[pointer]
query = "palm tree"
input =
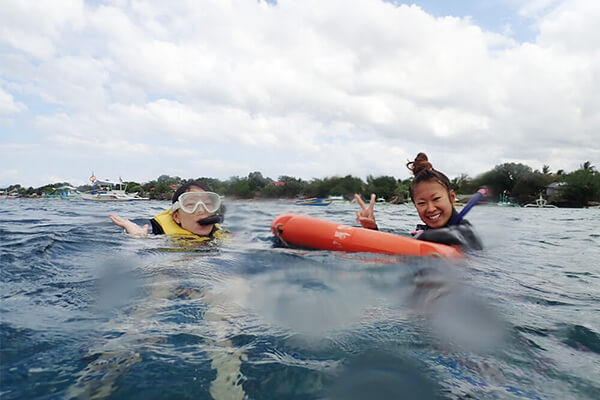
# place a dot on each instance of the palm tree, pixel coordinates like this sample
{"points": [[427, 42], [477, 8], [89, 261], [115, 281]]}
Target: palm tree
{"points": [[587, 166]]}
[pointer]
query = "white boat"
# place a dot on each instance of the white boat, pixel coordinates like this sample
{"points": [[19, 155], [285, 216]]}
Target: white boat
{"points": [[504, 201], [65, 192], [540, 203], [337, 199], [110, 191], [8, 195], [312, 201]]}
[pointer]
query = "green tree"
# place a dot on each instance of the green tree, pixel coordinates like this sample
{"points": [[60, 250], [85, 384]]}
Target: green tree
{"points": [[582, 186], [161, 189], [335, 186], [239, 187], [519, 180], [134, 187], [257, 180], [462, 184], [382, 186], [402, 191], [292, 187], [213, 184], [528, 187], [504, 177], [347, 186]]}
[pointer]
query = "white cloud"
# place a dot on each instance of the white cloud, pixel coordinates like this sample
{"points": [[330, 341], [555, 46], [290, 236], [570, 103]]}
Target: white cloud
{"points": [[33, 26], [8, 105], [572, 27], [302, 88]]}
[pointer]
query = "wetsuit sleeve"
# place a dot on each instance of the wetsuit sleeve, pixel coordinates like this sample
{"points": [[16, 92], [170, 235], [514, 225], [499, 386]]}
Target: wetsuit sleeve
{"points": [[156, 228]]}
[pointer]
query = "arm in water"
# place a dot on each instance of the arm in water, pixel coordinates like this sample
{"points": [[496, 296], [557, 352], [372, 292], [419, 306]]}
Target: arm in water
{"points": [[130, 227]]}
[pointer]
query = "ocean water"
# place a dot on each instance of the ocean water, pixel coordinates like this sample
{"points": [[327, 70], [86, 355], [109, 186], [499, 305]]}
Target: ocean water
{"points": [[87, 311]]}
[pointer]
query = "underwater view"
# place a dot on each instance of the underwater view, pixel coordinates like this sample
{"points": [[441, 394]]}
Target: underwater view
{"points": [[87, 311]]}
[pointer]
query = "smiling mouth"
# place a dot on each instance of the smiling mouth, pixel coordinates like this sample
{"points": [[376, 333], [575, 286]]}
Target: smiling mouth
{"points": [[434, 217]]}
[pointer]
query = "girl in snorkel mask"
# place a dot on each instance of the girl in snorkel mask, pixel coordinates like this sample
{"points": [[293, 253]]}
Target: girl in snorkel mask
{"points": [[195, 211]]}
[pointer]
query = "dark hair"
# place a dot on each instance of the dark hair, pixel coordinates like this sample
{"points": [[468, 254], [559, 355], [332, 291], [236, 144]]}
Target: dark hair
{"points": [[423, 171], [185, 188]]}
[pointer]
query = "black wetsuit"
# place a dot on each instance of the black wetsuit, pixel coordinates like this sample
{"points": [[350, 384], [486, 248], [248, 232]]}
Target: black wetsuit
{"points": [[461, 234], [158, 230]]}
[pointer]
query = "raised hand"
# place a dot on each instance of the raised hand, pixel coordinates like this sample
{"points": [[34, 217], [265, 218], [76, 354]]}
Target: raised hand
{"points": [[130, 227], [365, 217]]}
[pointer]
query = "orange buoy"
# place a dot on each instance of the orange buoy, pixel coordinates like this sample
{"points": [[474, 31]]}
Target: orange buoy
{"points": [[313, 233]]}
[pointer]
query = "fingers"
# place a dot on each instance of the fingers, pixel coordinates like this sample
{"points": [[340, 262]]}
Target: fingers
{"points": [[372, 202], [116, 219], [367, 222], [360, 202]]}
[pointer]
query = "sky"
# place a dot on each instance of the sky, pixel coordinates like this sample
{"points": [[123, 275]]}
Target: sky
{"points": [[134, 89]]}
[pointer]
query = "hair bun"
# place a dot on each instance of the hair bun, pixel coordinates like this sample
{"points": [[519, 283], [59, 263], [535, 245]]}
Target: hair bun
{"points": [[421, 163]]}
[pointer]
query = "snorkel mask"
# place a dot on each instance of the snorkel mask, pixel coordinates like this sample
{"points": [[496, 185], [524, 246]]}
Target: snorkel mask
{"points": [[204, 202]]}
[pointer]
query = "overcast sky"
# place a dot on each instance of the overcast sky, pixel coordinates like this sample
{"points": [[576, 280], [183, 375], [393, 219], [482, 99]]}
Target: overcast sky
{"points": [[307, 88]]}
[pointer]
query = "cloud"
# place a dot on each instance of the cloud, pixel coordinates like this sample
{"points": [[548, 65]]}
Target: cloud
{"points": [[8, 105], [34, 26], [571, 28], [301, 88]]}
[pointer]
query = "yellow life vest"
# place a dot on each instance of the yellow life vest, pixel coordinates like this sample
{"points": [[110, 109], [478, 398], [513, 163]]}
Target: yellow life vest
{"points": [[171, 228]]}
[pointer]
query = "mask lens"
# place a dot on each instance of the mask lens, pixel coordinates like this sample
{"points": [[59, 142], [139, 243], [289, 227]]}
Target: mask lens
{"points": [[207, 201], [189, 204]]}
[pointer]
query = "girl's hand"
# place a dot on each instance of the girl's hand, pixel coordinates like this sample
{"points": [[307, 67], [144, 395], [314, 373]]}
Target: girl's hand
{"points": [[366, 217], [130, 227]]}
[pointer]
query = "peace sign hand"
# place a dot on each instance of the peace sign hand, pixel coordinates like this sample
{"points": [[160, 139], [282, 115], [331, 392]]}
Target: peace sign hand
{"points": [[366, 217]]}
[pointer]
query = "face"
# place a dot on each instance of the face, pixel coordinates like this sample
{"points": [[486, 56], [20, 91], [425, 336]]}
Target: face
{"points": [[190, 221], [434, 203]]}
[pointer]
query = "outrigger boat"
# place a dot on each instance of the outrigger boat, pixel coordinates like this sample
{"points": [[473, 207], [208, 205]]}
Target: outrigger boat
{"points": [[336, 199], [110, 191], [313, 201], [504, 201], [65, 192], [540, 203]]}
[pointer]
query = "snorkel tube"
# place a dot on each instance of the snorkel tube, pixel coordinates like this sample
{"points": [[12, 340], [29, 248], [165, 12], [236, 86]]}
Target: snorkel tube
{"points": [[213, 219], [478, 196]]}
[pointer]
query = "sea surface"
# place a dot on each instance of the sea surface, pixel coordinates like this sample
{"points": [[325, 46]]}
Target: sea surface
{"points": [[87, 311]]}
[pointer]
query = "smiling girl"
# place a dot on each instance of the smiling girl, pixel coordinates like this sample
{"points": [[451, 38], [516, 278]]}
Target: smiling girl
{"points": [[433, 196]]}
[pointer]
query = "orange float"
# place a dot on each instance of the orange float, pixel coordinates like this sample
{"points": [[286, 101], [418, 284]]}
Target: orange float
{"points": [[313, 233]]}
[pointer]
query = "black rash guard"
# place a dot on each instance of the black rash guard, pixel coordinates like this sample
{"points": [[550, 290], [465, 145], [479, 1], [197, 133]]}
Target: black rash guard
{"points": [[462, 234]]}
